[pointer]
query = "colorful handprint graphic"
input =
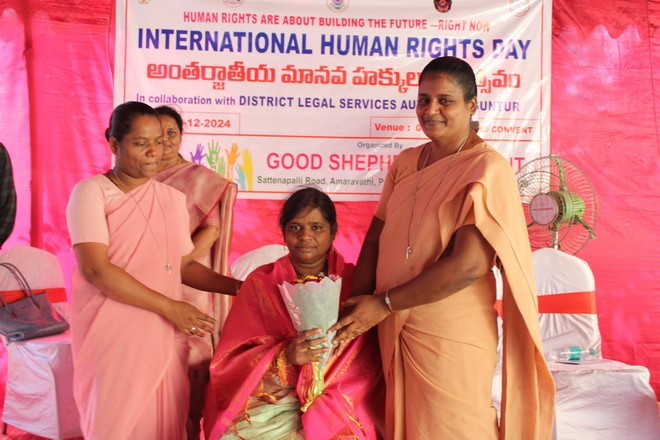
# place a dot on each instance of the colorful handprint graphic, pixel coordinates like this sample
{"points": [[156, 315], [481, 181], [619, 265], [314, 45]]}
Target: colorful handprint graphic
{"points": [[246, 168], [198, 156], [212, 156], [228, 165], [232, 155]]}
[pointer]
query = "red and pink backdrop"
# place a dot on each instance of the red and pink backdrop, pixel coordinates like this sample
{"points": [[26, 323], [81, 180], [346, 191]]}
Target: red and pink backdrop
{"points": [[56, 92]]}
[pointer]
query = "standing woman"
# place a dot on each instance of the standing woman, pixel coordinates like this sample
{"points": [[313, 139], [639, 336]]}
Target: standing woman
{"points": [[129, 325], [448, 210], [209, 200]]}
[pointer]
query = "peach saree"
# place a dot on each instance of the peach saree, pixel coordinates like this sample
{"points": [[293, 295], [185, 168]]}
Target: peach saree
{"points": [[439, 359], [130, 364]]}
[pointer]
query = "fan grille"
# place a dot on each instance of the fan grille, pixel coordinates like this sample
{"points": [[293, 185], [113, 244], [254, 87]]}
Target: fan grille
{"points": [[559, 203]]}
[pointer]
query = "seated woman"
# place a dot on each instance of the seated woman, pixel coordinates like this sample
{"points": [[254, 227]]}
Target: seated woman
{"points": [[262, 365]]}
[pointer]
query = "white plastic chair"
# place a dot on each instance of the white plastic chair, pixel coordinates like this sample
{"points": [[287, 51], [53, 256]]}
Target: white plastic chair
{"points": [[566, 289]]}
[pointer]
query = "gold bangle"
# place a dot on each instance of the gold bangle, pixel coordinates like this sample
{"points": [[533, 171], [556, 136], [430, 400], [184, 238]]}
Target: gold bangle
{"points": [[388, 302]]}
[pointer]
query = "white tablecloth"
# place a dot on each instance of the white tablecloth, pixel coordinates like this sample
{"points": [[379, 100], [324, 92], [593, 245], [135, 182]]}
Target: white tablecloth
{"points": [[605, 400], [39, 394]]}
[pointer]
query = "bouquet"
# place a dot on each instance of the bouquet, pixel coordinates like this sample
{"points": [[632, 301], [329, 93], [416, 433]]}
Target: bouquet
{"points": [[313, 302]]}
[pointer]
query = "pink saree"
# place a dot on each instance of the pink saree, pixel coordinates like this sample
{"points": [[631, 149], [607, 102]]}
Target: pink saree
{"points": [[209, 201], [257, 328], [130, 364]]}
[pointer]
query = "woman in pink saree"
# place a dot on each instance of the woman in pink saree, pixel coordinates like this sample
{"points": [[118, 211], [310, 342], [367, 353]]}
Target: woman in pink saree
{"points": [[210, 201], [129, 325], [261, 370], [448, 210]]}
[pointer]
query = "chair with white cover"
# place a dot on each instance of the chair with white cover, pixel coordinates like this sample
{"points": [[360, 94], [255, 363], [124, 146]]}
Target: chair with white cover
{"points": [[249, 261], [566, 292], [39, 392], [601, 399]]}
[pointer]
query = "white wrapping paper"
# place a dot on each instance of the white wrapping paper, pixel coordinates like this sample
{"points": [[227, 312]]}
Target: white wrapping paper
{"points": [[314, 304]]}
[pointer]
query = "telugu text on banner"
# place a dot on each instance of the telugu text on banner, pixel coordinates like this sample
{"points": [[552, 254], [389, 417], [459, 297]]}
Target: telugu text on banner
{"points": [[279, 94]]}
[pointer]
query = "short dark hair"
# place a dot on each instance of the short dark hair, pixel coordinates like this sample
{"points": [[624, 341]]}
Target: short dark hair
{"points": [[123, 116], [458, 69], [305, 197], [166, 110]]}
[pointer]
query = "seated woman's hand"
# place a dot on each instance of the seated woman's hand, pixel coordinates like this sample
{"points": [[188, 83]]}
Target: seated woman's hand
{"points": [[300, 350], [360, 313], [189, 319]]}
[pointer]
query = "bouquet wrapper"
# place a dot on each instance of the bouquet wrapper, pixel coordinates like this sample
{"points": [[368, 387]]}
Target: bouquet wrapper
{"points": [[314, 305]]}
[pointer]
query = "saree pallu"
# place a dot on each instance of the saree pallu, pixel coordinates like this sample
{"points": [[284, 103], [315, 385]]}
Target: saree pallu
{"points": [[244, 366], [444, 354], [130, 364], [209, 200]]}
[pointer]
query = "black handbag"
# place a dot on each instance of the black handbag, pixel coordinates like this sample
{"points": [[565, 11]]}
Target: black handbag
{"points": [[29, 317]]}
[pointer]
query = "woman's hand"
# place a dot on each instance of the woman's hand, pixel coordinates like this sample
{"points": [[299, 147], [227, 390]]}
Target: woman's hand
{"points": [[300, 351], [189, 319], [363, 312]]}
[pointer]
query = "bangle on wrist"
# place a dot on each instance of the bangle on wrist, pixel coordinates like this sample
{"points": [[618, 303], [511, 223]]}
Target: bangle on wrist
{"points": [[387, 300]]}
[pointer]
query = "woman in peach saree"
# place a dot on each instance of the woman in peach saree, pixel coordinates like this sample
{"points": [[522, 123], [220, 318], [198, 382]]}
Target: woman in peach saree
{"points": [[448, 211]]}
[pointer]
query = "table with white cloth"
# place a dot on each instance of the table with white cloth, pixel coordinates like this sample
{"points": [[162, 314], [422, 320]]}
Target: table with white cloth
{"points": [[39, 393], [604, 400], [600, 400]]}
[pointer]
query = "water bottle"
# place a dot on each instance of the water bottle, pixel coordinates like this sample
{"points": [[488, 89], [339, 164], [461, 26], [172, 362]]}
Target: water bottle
{"points": [[572, 353]]}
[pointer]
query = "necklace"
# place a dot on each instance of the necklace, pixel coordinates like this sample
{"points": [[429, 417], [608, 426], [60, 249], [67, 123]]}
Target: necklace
{"points": [[168, 266], [428, 201], [323, 273]]}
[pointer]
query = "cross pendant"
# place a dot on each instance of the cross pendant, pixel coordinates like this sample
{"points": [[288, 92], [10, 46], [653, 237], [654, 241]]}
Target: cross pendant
{"points": [[168, 268], [408, 251]]}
